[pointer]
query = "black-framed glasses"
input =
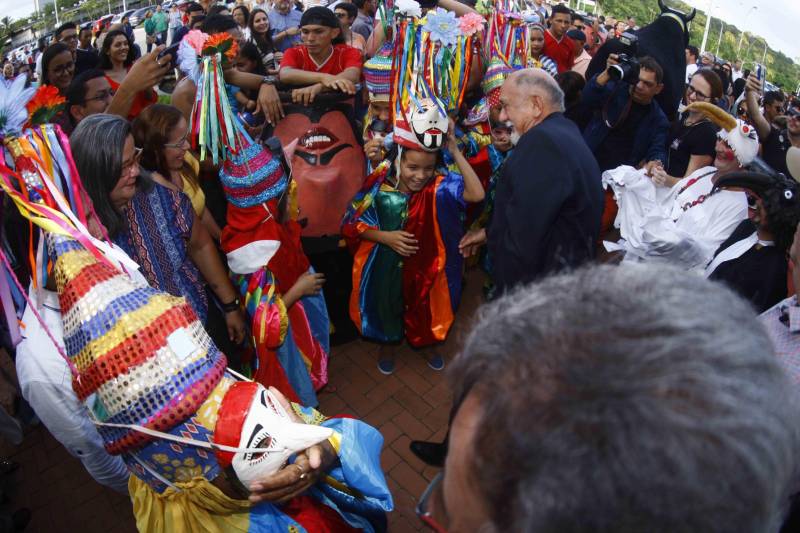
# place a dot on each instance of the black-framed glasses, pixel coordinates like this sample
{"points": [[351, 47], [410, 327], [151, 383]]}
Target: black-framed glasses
{"points": [[425, 508], [341, 15], [691, 89], [103, 95], [580, 28]]}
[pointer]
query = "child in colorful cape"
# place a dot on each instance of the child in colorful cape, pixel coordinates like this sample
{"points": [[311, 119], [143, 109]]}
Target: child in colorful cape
{"points": [[281, 293], [403, 229]]}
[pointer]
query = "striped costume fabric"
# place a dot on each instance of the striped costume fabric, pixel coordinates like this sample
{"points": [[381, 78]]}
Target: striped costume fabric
{"points": [[142, 353]]}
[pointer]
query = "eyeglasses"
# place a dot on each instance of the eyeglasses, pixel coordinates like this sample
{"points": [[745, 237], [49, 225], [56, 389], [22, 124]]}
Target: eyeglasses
{"points": [[70, 37], [133, 161], [424, 510], [341, 15], [107, 94], [580, 28], [691, 89], [179, 142], [63, 69]]}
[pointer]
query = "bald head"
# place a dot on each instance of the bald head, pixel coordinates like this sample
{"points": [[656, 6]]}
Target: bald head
{"points": [[528, 97]]}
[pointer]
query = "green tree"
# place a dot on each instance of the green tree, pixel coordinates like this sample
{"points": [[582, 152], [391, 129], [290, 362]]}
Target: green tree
{"points": [[781, 70]]}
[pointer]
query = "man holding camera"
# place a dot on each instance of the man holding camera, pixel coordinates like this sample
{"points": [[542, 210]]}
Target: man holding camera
{"points": [[628, 126]]}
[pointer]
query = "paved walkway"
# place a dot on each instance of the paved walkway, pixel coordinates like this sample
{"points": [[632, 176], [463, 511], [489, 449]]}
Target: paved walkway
{"points": [[412, 404]]}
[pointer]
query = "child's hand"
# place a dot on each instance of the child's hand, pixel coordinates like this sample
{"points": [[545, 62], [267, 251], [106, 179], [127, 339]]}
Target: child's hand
{"points": [[401, 242], [309, 284]]}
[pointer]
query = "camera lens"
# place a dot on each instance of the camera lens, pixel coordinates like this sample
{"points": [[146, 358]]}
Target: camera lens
{"points": [[616, 72]]}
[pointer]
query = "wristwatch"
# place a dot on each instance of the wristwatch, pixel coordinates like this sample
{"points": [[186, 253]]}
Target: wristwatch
{"points": [[269, 80], [231, 306]]}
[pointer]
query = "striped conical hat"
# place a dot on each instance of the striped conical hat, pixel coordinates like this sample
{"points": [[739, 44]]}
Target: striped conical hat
{"points": [[142, 353]]}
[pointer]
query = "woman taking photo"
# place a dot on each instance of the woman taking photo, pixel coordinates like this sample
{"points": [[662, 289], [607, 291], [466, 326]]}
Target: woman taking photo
{"points": [[260, 36], [242, 17], [116, 58], [162, 134], [692, 137], [154, 224]]}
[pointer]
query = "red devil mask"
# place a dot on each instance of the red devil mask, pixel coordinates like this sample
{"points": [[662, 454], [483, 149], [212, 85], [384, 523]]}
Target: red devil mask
{"points": [[328, 163]]}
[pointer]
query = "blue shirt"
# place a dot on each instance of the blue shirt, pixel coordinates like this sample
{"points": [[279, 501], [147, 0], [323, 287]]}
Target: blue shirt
{"points": [[279, 23]]}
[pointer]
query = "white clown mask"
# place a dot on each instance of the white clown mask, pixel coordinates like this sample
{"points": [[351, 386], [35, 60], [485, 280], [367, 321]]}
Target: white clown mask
{"points": [[428, 124], [252, 417]]}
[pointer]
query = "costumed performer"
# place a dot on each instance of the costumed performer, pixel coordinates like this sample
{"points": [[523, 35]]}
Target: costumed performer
{"points": [[405, 225], [684, 224], [34, 150], [280, 292], [753, 260], [204, 450]]}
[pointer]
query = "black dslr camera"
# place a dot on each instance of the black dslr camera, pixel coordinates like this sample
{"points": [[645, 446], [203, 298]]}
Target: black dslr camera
{"points": [[627, 68]]}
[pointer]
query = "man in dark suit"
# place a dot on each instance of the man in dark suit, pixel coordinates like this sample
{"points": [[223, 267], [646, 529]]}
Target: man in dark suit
{"points": [[549, 198]]}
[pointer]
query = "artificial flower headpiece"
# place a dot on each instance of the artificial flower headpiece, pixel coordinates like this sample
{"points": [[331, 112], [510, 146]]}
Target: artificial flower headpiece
{"points": [[432, 59], [212, 125]]}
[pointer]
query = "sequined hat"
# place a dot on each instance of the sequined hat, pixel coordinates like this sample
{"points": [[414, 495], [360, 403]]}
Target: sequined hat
{"points": [[378, 74], [492, 83], [252, 176], [142, 353]]}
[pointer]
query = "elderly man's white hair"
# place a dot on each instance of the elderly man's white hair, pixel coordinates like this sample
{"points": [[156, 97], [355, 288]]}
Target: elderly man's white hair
{"points": [[530, 79], [631, 398]]}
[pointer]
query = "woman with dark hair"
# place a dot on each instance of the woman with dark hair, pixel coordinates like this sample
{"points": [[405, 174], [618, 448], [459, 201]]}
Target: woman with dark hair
{"points": [[260, 36], [572, 84], [242, 17], [692, 140], [162, 134], [154, 224], [116, 58], [58, 67]]}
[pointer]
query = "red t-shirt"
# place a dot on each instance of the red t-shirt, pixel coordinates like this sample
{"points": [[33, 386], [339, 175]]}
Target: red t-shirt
{"points": [[342, 58], [562, 52]]}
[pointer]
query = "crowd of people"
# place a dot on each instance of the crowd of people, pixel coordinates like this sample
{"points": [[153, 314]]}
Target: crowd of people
{"points": [[326, 172]]}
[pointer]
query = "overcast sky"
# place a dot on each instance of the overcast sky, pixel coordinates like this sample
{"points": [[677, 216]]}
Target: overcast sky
{"points": [[774, 19]]}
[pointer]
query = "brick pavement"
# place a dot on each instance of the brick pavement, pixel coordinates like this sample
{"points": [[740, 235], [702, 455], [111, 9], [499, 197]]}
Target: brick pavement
{"points": [[412, 404]]}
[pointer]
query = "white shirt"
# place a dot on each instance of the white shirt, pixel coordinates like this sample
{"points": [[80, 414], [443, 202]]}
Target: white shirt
{"points": [[683, 225], [39, 67], [46, 383], [690, 70]]}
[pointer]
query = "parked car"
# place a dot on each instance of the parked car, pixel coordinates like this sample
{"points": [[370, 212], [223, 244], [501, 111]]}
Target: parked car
{"points": [[102, 23], [138, 16], [119, 16]]}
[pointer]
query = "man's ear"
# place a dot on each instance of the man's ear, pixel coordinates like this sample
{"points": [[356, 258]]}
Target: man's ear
{"points": [[659, 88], [336, 34], [76, 112]]}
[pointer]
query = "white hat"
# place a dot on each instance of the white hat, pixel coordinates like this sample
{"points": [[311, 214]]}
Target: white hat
{"points": [[743, 140]]}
